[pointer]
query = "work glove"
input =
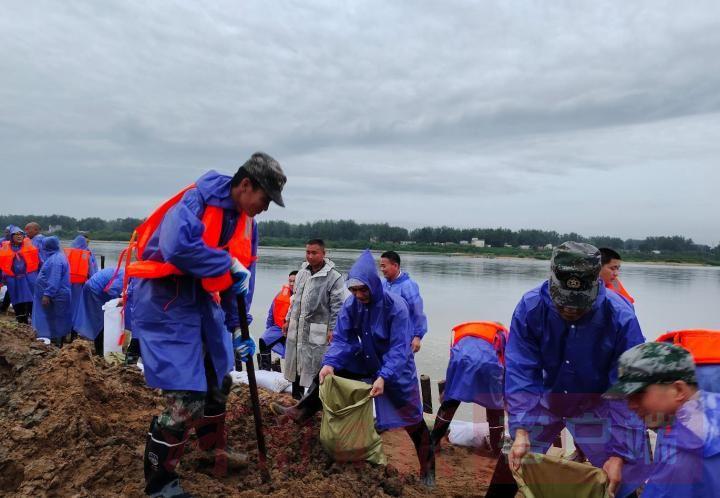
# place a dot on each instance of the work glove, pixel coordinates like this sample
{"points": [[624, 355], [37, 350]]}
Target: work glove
{"points": [[244, 348], [241, 278]]}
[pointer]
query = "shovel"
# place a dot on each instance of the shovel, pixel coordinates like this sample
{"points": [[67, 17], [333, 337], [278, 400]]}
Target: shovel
{"points": [[262, 450]]}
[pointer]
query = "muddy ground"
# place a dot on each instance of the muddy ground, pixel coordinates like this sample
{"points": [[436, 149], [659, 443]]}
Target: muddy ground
{"points": [[72, 425]]}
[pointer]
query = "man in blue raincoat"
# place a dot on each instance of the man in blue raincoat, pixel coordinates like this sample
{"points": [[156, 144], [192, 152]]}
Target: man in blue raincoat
{"points": [[51, 304], [80, 243], [371, 342], [660, 384], [20, 263], [186, 333], [89, 318], [566, 337], [400, 283], [32, 231]]}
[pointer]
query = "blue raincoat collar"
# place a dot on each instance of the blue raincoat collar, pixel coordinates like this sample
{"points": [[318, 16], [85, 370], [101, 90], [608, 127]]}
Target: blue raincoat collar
{"points": [[80, 242], [365, 271], [215, 189], [51, 245]]}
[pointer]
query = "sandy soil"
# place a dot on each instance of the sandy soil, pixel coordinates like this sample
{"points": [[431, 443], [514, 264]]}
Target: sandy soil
{"points": [[74, 426]]}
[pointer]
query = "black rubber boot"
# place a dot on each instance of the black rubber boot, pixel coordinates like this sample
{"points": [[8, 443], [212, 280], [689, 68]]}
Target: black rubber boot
{"points": [[212, 442], [163, 449], [442, 422], [133, 352], [99, 340], [304, 409], [265, 361], [496, 422], [420, 436]]}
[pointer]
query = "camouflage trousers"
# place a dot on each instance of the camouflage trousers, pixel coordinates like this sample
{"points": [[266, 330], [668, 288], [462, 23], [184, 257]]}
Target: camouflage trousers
{"points": [[184, 408]]}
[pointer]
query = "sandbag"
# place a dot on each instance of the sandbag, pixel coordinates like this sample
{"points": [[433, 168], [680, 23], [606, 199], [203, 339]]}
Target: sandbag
{"points": [[347, 430], [468, 433], [272, 381], [113, 326], [545, 476]]}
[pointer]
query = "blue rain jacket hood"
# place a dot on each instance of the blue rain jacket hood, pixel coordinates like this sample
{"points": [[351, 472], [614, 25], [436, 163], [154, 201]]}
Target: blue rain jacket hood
{"points": [[53, 280], [80, 242], [373, 340], [51, 245], [174, 318]]}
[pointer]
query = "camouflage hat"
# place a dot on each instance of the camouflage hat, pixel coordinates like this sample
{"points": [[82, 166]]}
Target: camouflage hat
{"points": [[574, 279], [268, 173], [652, 363]]}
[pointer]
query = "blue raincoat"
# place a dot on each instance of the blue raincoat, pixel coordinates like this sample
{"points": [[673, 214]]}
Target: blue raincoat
{"points": [[53, 281], [374, 340], [409, 290], [37, 241], [273, 333], [22, 285], [89, 316], [687, 454], [176, 321], [80, 242], [474, 374], [556, 372]]}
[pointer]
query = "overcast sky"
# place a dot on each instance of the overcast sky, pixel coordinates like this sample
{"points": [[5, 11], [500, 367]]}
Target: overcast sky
{"points": [[595, 117]]}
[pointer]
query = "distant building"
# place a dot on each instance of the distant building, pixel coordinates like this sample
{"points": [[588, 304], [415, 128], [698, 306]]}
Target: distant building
{"points": [[477, 242], [548, 247], [656, 251], [407, 242], [373, 240], [464, 243], [54, 228], [524, 247], [507, 245]]}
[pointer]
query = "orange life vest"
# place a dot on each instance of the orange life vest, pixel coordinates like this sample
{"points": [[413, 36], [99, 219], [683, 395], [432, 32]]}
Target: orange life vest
{"points": [[617, 286], [239, 245], [493, 332], [28, 252], [704, 345], [281, 305], [79, 261]]}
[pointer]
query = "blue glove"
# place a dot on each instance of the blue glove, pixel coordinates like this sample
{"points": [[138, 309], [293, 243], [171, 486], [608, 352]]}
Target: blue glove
{"points": [[244, 348], [241, 278]]}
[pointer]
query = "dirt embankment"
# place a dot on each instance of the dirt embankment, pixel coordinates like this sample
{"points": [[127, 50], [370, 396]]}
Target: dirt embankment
{"points": [[72, 425]]}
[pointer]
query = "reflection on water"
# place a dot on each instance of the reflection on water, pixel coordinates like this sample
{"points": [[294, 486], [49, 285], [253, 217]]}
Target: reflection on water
{"points": [[460, 288]]}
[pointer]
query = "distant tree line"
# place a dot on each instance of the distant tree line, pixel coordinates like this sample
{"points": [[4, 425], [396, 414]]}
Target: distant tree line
{"points": [[349, 231]]}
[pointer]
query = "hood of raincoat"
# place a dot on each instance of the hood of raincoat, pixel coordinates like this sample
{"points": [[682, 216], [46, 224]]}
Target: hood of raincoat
{"points": [[80, 242], [51, 245], [9, 229], [13, 231], [365, 271], [215, 189]]}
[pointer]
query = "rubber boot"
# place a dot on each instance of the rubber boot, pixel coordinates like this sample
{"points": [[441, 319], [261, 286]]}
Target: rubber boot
{"points": [[133, 352], [276, 366], [304, 409], [265, 361], [420, 436], [442, 422], [497, 431], [212, 442], [99, 343], [163, 449]]}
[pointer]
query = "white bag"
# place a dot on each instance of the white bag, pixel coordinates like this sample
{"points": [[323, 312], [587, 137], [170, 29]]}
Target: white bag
{"points": [[114, 327], [272, 381], [468, 433]]}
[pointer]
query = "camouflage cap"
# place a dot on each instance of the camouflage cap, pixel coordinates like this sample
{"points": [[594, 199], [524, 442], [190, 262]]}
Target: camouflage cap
{"points": [[652, 363], [268, 173], [574, 279]]}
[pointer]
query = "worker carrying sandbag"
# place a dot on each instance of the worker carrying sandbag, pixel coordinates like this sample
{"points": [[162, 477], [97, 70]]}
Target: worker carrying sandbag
{"points": [[347, 431]]}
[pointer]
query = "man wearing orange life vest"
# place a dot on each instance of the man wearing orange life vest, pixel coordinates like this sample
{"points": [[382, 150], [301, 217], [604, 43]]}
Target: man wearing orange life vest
{"points": [[19, 263], [196, 255], [82, 266], [610, 272], [273, 338]]}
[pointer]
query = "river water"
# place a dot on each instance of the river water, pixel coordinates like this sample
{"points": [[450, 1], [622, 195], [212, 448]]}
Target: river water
{"points": [[456, 289]]}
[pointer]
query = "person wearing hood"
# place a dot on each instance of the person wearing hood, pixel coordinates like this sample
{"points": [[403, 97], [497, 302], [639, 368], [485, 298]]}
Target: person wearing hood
{"points": [[52, 316], [88, 319], [196, 257], [82, 266], [5, 304], [660, 384], [399, 282], [19, 263], [371, 342], [32, 230], [318, 296], [566, 337]]}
